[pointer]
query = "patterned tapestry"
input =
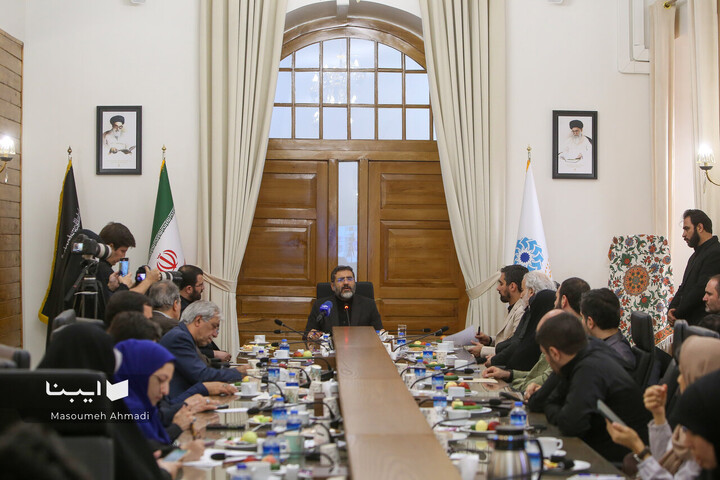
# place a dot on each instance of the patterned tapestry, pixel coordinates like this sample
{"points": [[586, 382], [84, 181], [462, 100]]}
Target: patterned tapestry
{"points": [[641, 277]]}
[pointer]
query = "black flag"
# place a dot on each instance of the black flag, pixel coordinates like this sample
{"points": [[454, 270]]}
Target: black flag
{"points": [[68, 224]]}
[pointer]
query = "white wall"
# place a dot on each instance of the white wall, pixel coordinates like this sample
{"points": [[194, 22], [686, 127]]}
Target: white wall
{"points": [[12, 18], [86, 53], [563, 57]]}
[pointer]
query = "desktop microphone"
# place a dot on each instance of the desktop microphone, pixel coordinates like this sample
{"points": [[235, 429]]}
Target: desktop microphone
{"points": [[281, 324], [347, 314], [437, 334]]}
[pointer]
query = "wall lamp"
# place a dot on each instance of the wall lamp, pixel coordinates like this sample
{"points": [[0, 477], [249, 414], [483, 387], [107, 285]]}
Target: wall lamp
{"points": [[7, 152], [706, 161]]}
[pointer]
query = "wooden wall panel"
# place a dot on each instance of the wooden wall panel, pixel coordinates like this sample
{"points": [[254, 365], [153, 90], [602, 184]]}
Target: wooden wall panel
{"points": [[11, 58]]}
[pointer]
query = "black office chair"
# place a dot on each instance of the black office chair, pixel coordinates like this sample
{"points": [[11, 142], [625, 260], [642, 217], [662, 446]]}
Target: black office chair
{"points": [[11, 357], [361, 288], [641, 328], [68, 317], [35, 396]]}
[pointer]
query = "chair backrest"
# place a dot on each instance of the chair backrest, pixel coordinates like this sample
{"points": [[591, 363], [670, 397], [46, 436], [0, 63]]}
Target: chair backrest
{"points": [[14, 357], [361, 288], [59, 326], [644, 363], [683, 331], [641, 329], [66, 317]]}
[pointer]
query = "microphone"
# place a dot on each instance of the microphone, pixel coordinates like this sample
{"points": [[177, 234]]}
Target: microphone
{"points": [[281, 324], [437, 334], [325, 309], [347, 314]]}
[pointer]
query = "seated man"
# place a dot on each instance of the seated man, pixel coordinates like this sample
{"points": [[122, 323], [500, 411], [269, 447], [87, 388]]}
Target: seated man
{"points": [[567, 298], [510, 290], [126, 301], [588, 373], [346, 308], [198, 325], [165, 300], [600, 310], [521, 352]]}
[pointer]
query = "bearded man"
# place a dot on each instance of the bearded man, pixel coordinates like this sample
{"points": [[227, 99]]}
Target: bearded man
{"points": [[576, 154], [345, 307], [704, 263]]}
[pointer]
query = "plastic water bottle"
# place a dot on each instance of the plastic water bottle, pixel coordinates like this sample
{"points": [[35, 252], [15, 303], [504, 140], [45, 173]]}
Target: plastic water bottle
{"points": [[518, 415], [420, 370], [284, 345], [273, 375], [271, 445], [427, 353], [293, 420], [439, 400], [438, 379], [241, 472], [291, 388], [279, 414]]}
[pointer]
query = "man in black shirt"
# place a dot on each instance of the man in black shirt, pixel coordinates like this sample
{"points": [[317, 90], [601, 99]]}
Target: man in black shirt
{"points": [[588, 372], [346, 308], [687, 304], [600, 310]]}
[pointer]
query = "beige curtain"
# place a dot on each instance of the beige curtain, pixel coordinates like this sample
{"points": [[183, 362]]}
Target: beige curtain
{"points": [[465, 89], [662, 72], [706, 97], [239, 56]]}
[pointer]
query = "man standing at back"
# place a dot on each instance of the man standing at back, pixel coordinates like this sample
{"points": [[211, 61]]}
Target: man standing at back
{"points": [[344, 308], [703, 263]]}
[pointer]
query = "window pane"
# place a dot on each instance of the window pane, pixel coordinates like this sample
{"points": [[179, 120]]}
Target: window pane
{"points": [[308, 57], [347, 232], [411, 64], [335, 123], [286, 62], [307, 121], [362, 87], [282, 91], [390, 88], [388, 57], [307, 88], [281, 122], [362, 53], [335, 87], [362, 123], [417, 123], [390, 123], [416, 89], [335, 53]]}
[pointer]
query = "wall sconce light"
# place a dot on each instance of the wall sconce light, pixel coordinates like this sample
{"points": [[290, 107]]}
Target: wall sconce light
{"points": [[7, 152], [706, 161]]}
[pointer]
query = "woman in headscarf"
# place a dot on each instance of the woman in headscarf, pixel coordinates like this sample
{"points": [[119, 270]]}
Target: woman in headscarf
{"points": [[82, 345], [148, 367], [669, 455]]}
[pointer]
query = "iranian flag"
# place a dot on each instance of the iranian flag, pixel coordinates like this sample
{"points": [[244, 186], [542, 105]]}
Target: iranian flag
{"points": [[165, 248]]}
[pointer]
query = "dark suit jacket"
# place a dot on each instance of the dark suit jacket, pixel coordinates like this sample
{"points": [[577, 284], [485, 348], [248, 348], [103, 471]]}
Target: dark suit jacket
{"points": [[363, 311], [189, 367], [702, 265], [521, 352], [166, 323]]}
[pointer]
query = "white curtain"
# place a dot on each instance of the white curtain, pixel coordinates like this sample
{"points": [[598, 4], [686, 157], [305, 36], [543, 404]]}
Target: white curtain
{"points": [[240, 49], [706, 97], [662, 73], [457, 36]]}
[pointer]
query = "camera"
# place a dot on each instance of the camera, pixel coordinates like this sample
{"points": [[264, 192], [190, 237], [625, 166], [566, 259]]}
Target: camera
{"points": [[172, 275], [85, 245]]}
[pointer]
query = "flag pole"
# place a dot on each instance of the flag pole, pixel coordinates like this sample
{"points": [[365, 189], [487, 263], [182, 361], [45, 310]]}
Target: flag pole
{"points": [[528, 162]]}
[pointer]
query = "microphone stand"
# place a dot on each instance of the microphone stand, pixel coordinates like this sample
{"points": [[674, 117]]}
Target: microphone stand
{"points": [[437, 334], [443, 372], [280, 323]]}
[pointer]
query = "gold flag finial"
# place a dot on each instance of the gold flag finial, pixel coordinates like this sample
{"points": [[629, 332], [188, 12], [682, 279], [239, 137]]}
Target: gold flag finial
{"points": [[528, 160]]}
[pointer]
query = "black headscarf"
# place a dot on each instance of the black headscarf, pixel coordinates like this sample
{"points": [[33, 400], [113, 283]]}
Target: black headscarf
{"points": [[697, 410]]}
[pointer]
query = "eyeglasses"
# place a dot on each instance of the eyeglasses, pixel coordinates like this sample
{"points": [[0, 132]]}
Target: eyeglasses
{"points": [[344, 279]]}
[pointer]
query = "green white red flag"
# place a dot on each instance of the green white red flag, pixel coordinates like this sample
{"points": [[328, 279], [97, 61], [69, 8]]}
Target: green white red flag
{"points": [[166, 252]]}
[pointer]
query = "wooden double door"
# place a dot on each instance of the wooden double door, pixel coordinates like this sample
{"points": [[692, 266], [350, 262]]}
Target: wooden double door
{"points": [[404, 247]]}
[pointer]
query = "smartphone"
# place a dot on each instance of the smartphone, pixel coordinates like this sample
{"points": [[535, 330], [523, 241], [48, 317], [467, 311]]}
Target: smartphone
{"points": [[124, 266], [609, 414], [175, 455]]}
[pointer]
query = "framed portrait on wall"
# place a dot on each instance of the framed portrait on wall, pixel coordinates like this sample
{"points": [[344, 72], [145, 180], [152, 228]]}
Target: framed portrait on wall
{"points": [[574, 144], [119, 140]]}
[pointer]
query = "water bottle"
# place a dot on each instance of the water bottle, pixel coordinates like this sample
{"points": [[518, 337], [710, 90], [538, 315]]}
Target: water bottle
{"points": [[279, 414], [518, 415], [293, 420], [292, 388], [271, 445], [427, 353], [241, 473], [284, 345], [273, 375], [438, 379], [439, 400], [420, 370]]}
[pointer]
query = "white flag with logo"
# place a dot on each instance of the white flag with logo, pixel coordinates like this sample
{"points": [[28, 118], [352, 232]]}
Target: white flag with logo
{"points": [[531, 249], [166, 252]]}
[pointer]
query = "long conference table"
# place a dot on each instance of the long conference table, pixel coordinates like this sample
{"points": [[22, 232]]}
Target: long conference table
{"points": [[387, 435]]}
